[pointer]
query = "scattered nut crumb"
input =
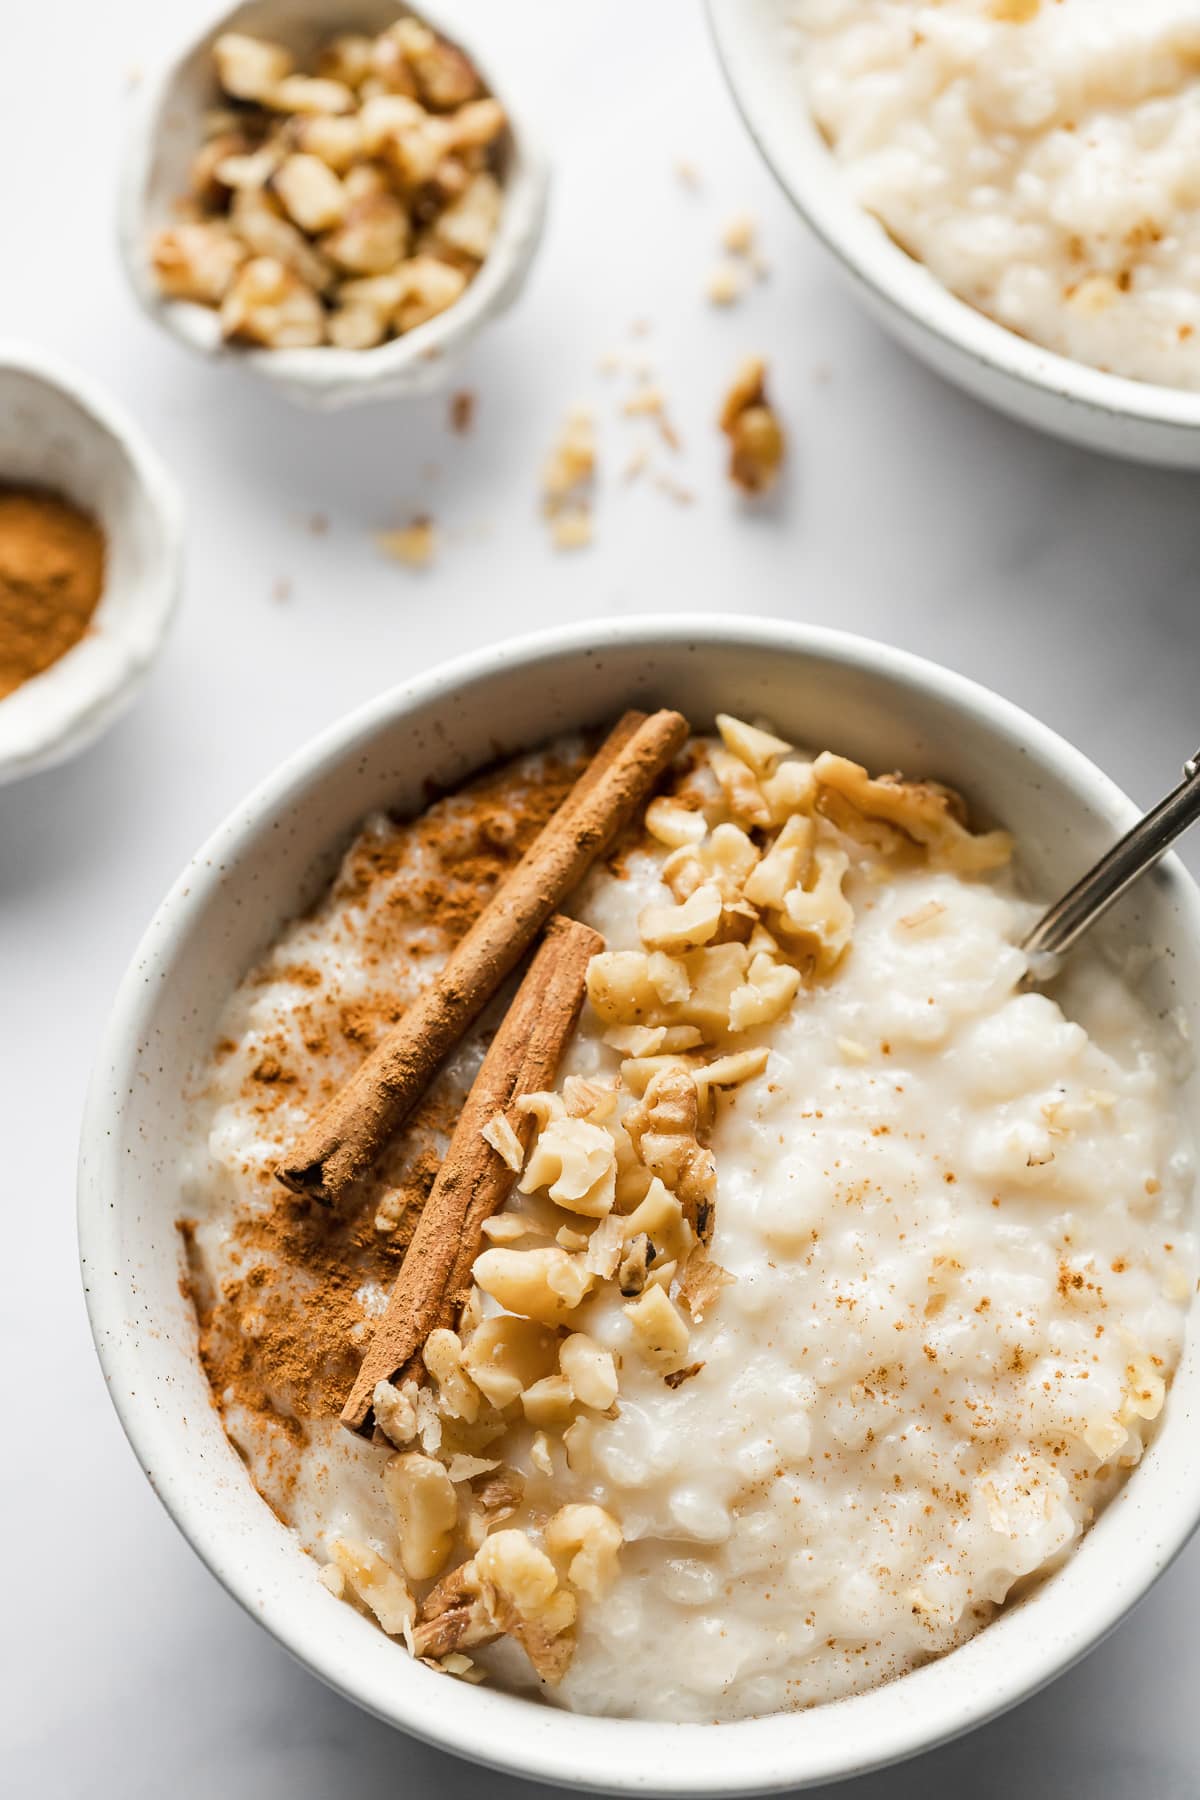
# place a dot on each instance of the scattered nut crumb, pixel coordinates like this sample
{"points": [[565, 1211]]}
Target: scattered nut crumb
{"points": [[739, 235], [677, 1377], [756, 438], [281, 588], [636, 465], [414, 545], [725, 285], [645, 400], [688, 174], [568, 478], [572, 529], [462, 411], [342, 205], [318, 524]]}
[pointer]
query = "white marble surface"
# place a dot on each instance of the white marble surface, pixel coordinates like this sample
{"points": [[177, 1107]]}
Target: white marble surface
{"points": [[1066, 582]]}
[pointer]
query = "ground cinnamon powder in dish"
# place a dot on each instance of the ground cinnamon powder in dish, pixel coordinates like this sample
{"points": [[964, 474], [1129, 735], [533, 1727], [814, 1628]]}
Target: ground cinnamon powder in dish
{"points": [[51, 577], [283, 1335]]}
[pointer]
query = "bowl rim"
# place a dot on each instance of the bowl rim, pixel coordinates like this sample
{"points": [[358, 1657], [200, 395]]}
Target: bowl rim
{"points": [[325, 371], [577, 1750], [154, 597], [804, 167]]}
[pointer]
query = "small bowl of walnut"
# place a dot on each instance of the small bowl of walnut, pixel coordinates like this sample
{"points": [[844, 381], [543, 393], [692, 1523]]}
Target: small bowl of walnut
{"points": [[334, 194]]}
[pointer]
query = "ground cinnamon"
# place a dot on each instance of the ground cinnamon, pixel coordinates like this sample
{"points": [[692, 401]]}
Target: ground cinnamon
{"points": [[346, 1137], [51, 577]]}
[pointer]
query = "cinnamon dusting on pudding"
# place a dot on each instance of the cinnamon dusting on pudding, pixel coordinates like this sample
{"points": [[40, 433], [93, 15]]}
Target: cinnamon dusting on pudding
{"points": [[286, 1348]]}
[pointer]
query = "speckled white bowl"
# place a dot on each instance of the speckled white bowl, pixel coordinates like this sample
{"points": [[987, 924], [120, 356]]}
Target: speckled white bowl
{"points": [[270, 859], [167, 134], [1134, 419], [57, 431]]}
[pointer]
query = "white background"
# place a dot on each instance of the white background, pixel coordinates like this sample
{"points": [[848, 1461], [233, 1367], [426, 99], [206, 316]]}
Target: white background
{"points": [[1066, 582]]}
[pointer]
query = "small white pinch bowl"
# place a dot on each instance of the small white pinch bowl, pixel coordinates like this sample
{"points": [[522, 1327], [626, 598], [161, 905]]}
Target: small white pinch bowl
{"points": [[1140, 420], [270, 859], [165, 137], [57, 431]]}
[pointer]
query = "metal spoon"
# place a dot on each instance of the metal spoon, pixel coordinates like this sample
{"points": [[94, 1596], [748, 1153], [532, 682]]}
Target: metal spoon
{"points": [[1136, 852]]}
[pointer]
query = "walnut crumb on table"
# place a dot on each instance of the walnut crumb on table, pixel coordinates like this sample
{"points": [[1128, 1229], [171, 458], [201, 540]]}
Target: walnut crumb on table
{"points": [[568, 480], [414, 545], [757, 444], [462, 411], [725, 285]]}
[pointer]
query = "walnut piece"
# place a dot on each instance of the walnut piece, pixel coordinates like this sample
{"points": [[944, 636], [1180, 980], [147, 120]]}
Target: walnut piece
{"points": [[664, 1128], [425, 1508], [756, 441], [384, 162]]}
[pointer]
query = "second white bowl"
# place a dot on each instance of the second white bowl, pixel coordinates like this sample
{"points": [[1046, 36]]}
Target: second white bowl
{"points": [[58, 432], [1068, 399]]}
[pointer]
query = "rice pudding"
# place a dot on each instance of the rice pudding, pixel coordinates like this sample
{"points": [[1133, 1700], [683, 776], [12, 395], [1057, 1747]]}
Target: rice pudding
{"points": [[837, 1285], [1040, 159]]}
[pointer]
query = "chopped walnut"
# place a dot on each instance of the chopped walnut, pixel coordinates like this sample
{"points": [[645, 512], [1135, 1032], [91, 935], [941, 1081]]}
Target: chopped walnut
{"points": [[268, 305], [386, 161], [701, 1282], [544, 1284], [726, 285], [197, 262], [453, 1615], [498, 1132], [568, 479], [924, 811], [522, 1593], [664, 1128], [250, 68], [508, 1228], [739, 235], [500, 1496], [458, 1397], [658, 1327], [590, 1538], [395, 1413], [576, 1162], [589, 1370], [549, 1402], [634, 1265], [376, 1584], [413, 545], [604, 1247], [571, 528], [757, 443], [425, 1507], [504, 1355]]}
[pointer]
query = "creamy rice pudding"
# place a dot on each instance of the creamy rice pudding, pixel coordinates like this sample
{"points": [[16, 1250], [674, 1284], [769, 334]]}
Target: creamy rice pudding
{"points": [[1040, 158], [840, 1289]]}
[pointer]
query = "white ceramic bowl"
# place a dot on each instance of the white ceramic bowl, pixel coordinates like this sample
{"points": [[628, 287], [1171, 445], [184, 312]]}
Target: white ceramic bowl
{"points": [[271, 858], [1104, 412], [57, 431], [168, 133]]}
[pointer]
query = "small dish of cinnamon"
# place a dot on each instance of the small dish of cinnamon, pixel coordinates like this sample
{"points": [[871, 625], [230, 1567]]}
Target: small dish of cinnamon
{"points": [[51, 578], [90, 557]]}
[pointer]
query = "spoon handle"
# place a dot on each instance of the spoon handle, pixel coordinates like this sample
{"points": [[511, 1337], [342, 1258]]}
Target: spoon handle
{"points": [[1150, 838]]}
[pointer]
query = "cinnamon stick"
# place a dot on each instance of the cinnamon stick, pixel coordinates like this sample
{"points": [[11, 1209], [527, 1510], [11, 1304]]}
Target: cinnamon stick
{"points": [[474, 1180], [347, 1135]]}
